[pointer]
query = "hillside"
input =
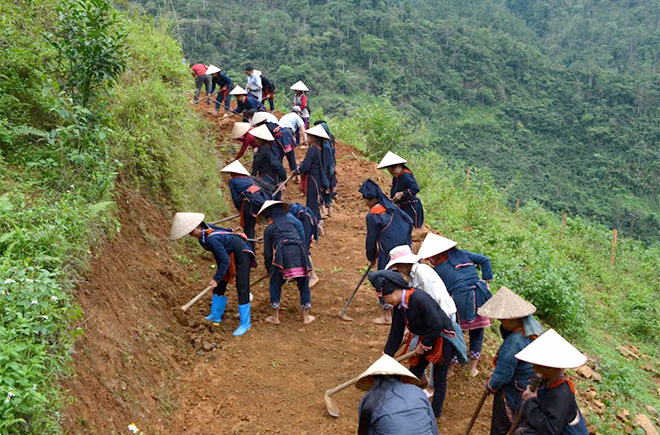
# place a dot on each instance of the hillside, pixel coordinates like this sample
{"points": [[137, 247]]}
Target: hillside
{"points": [[559, 100]]}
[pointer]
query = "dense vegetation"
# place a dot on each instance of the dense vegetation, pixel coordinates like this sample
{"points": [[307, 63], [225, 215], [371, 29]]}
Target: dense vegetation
{"points": [[566, 272], [76, 74], [559, 99]]}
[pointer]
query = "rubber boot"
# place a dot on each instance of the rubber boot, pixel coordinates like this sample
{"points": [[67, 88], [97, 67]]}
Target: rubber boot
{"points": [[218, 305], [244, 311]]}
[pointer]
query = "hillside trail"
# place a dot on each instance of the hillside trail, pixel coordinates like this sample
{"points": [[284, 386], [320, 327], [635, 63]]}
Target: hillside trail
{"points": [[135, 363]]}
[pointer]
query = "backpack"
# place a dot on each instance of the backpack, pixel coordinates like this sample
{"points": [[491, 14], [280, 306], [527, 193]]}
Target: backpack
{"points": [[267, 83]]}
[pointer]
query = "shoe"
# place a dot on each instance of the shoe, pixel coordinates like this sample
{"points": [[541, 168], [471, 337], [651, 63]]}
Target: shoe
{"points": [[244, 312], [218, 305]]}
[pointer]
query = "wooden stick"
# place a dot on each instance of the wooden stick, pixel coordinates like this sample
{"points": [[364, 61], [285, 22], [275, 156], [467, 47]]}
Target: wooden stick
{"points": [[613, 255], [563, 226], [279, 189], [521, 413], [517, 206], [476, 412], [228, 218], [350, 299], [207, 289], [467, 180]]}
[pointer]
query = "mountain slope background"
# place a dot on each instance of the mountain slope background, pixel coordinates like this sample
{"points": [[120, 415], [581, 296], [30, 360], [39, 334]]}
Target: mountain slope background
{"points": [[558, 99]]}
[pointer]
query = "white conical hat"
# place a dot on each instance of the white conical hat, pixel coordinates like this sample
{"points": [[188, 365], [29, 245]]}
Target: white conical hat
{"points": [[238, 91], [299, 86], [268, 204], [385, 366], [391, 159], [212, 69], [260, 117], [184, 223], [434, 244], [235, 167], [402, 254], [262, 132], [239, 129], [552, 350], [505, 304], [318, 131]]}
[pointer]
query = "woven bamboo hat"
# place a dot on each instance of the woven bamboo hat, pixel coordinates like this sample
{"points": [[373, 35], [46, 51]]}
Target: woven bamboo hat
{"points": [[262, 132], [505, 304], [260, 117], [552, 350], [238, 91], [239, 129], [318, 131], [299, 86], [402, 254], [434, 244], [212, 69], [391, 159], [270, 203], [385, 366], [235, 167], [184, 223]]}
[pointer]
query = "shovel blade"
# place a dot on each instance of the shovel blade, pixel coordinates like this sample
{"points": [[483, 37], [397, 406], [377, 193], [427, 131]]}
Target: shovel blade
{"points": [[331, 405], [345, 317], [180, 316]]}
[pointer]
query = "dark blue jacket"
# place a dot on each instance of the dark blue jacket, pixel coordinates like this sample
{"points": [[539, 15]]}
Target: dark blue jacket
{"points": [[308, 221], [511, 375], [551, 412], [221, 242], [407, 184], [266, 162], [245, 192], [222, 80], [386, 230], [249, 104], [399, 408], [329, 162], [286, 230]]}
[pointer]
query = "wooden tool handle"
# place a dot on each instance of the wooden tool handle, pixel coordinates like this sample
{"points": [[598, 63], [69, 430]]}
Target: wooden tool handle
{"points": [[279, 189], [476, 412], [355, 379], [521, 413], [228, 218], [196, 298], [348, 302]]}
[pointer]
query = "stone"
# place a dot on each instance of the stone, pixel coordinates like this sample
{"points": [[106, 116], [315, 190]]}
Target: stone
{"points": [[585, 371], [643, 422], [596, 377], [651, 410]]}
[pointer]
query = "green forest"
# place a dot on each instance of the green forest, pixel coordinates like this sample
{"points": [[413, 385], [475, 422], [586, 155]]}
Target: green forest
{"points": [[558, 99]]}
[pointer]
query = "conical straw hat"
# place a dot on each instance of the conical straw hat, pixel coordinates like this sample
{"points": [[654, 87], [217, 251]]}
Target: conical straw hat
{"points": [[239, 129], [238, 91], [260, 117], [552, 350], [299, 86], [385, 366], [318, 131], [262, 132], [391, 159], [505, 304], [268, 204], [402, 254], [184, 223], [235, 167], [212, 69], [434, 245]]}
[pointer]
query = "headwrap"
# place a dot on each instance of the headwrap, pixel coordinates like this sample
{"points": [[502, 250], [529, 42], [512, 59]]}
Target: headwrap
{"points": [[387, 281], [370, 189], [278, 215], [532, 327]]}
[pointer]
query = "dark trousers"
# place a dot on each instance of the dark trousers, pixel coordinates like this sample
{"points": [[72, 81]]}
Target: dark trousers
{"points": [[439, 376], [313, 196], [206, 81], [222, 95], [499, 423], [243, 265], [276, 283], [248, 223], [476, 341], [270, 103], [291, 158]]}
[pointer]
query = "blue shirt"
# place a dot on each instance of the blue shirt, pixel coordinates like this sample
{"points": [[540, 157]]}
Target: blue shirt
{"points": [[402, 409]]}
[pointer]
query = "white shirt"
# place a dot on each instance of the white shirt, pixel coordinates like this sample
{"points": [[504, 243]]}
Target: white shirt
{"points": [[293, 121], [254, 87], [425, 278]]}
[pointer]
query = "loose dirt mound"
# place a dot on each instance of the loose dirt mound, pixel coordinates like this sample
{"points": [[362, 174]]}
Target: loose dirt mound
{"points": [[137, 364]]}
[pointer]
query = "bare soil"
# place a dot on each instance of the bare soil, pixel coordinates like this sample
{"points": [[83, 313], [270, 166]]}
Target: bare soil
{"points": [[137, 364]]}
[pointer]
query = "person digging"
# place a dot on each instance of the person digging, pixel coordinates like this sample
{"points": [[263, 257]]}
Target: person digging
{"points": [[234, 258], [285, 257]]}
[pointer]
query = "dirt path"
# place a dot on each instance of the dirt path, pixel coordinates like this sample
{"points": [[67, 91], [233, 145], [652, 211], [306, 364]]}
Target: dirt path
{"points": [[136, 364]]}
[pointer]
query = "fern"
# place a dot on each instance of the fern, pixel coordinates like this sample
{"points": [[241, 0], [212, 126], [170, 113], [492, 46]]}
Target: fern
{"points": [[95, 210], [26, 130]]}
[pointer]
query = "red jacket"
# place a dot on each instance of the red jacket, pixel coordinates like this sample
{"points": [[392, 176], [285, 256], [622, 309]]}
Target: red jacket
{"points": [[199, 69]]}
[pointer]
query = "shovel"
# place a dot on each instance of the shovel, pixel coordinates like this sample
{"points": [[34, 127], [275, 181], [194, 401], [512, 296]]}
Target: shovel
{"points": [[342, 313], [331, 404], [521, 413]]}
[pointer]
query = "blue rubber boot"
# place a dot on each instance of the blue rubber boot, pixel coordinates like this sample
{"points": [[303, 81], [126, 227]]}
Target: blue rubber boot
{"points": [[218, 304], [244, 311]]}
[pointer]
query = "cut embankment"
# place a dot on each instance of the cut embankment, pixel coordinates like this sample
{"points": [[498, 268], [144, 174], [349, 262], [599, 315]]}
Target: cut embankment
{"points": [[135, 363]]}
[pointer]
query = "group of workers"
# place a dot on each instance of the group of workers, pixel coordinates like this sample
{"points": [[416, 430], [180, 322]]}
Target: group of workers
{"points": [[428, 306]]}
